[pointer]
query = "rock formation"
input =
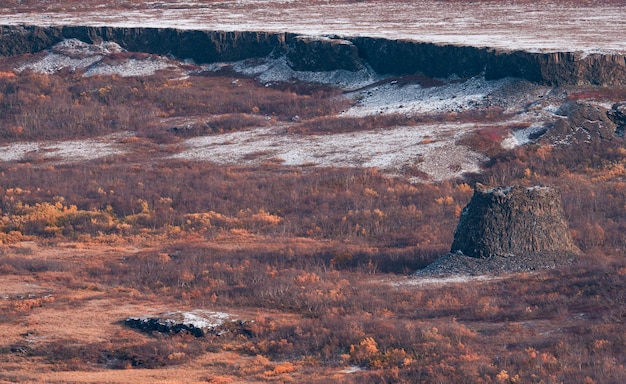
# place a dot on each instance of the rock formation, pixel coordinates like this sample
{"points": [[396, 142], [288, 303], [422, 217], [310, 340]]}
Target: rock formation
{"points": [[509, 221], [507, 229], [584, 123], [618, 115], [397, 57], [198, 322], [201, 46]]}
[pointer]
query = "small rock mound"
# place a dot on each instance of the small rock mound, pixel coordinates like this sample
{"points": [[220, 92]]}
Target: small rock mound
{"points": [[197, 322], [459, 264], [582, 122], [508, 229], [77, 49]]}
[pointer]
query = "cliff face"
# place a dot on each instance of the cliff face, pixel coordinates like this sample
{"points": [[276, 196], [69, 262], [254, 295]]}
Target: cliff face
{"points": [[407, 57], [398, 57], [322, 54], [201, 46], [512, 221], [571, 68]]}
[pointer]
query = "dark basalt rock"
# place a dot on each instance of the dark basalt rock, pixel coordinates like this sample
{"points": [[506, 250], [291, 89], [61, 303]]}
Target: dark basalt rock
{"points": [[618, 115], [508, 229], [561, 68], [511, 222], [167, 326], [582, 123], [398, 57], [201, 46], [198, 323], [318, 54]]}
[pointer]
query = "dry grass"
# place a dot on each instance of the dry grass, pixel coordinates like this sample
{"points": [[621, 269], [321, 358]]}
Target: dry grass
{"points": [[561, 324], [316, 260], [45, 107]]}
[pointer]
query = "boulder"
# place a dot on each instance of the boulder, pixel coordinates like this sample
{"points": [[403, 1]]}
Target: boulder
{"points": [[582, 122], [197, 322]]}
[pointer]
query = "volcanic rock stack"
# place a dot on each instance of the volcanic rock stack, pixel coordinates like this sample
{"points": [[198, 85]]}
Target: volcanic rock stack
{"points": [[506, 229], [509, 221]]}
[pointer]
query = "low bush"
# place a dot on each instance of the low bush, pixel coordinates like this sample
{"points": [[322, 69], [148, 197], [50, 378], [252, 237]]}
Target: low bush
{"points": [[66, 105]]}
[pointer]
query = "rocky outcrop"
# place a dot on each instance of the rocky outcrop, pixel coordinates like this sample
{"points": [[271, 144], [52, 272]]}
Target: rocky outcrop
{"points": [[398, 57], [617, 114], [508, 229], [198, 322], [439, 60], [579, 69], [512, 221], [582, 122]]}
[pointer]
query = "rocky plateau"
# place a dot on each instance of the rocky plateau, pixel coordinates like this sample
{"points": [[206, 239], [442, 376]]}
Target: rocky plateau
{"points": [[326, 53]]}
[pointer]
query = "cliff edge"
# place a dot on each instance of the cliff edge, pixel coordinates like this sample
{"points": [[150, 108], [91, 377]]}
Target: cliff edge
{"points": [[328, 53]]}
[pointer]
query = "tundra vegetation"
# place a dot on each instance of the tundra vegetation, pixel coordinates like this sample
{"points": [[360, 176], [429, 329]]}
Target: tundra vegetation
{"points": [[317, 261]]}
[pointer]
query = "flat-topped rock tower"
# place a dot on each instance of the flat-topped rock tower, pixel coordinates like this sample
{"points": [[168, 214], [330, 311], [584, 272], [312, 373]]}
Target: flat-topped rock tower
{"points": [[509, 221], [508, 229]]}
